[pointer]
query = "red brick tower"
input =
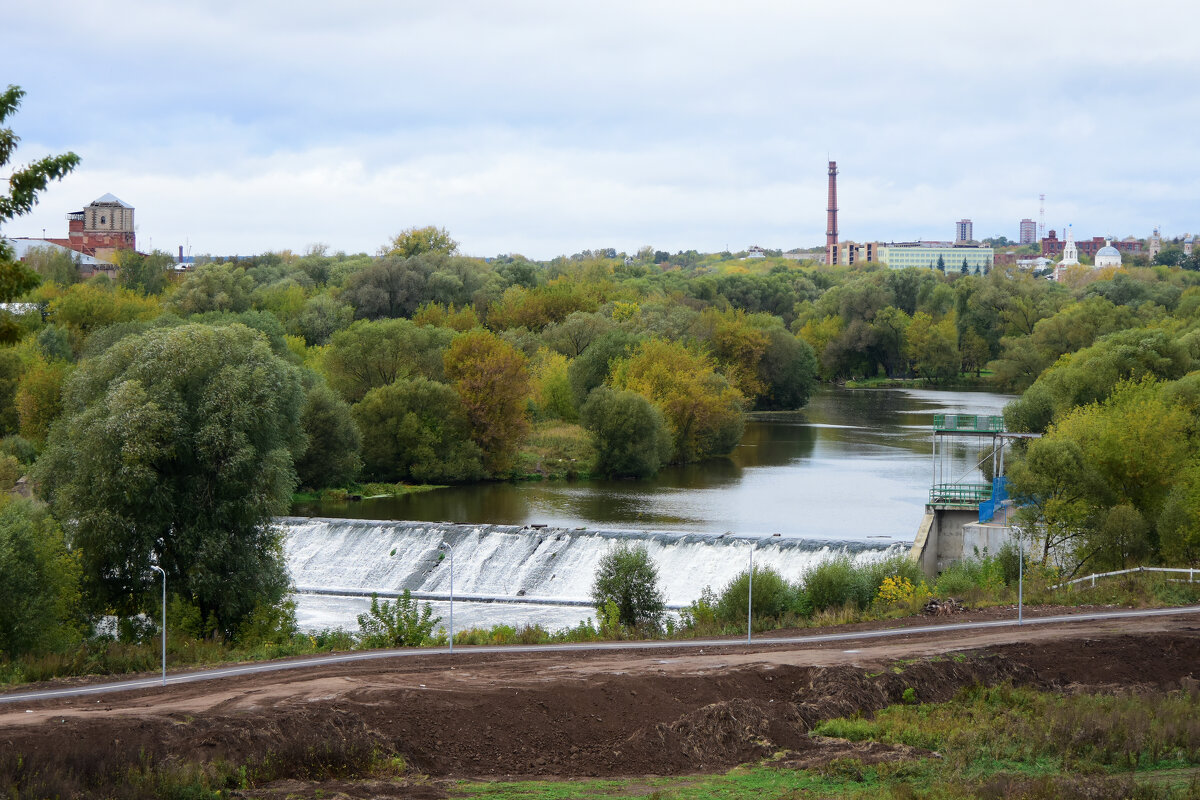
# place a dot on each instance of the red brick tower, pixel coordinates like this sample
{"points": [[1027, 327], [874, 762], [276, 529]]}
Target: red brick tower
{"points": [[831, 230]]}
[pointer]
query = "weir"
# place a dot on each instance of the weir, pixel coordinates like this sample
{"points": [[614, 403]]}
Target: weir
{"points": [[531, 565]]}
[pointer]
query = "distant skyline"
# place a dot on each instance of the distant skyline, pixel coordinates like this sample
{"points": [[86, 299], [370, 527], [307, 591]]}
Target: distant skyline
{"points": [[546, 128]]}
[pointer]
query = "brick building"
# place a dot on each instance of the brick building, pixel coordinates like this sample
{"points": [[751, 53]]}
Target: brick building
{"points": [[1053, 246], [102, 228]]}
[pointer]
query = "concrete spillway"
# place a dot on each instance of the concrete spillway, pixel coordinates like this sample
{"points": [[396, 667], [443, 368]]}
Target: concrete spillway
{"points": [[511, 574]]}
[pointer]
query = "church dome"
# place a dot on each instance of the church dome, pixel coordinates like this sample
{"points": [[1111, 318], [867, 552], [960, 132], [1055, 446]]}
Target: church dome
{"points": [[1108, 256]]}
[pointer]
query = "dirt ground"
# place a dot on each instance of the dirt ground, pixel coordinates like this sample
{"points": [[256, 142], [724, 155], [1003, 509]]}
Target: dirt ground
{"points": [[572, 714]]}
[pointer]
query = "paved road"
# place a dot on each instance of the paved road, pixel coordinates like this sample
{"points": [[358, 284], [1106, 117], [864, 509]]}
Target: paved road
{"points": [[320, 661]]}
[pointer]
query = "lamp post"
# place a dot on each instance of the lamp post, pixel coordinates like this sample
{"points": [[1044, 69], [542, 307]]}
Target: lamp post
{"points": [[445, 546], [164, 621], [750, 599]]}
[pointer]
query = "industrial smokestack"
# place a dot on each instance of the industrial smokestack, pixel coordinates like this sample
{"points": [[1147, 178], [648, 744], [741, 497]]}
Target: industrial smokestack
{"points": [[831, 229]]}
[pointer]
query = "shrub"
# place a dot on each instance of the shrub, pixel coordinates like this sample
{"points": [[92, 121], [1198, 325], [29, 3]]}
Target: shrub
{"points": [[628, 578], [837, 582], [772, 596], [404, 624], [630, 434]]}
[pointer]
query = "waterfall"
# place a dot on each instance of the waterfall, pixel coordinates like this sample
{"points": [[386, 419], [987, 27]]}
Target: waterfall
{"points": [[524, 574]]}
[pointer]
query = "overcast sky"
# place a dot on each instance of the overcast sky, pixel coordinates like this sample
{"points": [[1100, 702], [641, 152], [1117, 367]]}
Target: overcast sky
{"points": [[546, 128]]}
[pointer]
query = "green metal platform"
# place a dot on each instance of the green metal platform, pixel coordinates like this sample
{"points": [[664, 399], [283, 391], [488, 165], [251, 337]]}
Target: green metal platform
{"points": [[967, 423], [960, 494]]}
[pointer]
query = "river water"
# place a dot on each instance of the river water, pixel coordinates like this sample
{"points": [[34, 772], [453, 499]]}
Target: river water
{"points": [[851, 471]]}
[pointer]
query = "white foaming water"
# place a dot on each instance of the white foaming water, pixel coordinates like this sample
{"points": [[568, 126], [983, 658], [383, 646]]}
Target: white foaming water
{"points": [[511, 574]]}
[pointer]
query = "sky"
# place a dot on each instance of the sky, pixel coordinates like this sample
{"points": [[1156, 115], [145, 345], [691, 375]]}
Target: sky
{"points": [[548, 128]]}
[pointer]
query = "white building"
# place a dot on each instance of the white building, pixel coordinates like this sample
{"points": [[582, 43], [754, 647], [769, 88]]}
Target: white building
{"points": [[1108, 256]]}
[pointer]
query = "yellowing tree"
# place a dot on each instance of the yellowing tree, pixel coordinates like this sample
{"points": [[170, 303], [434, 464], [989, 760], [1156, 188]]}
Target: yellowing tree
{"points": [[492, 381], [704, 413]]}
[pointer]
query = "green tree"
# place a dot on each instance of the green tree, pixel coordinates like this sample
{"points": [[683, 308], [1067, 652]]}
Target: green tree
{"points": [[629, 433], [418, 241], [628, 578], [368, 355], [591, 368], [331, 457], [321, 317], [772, 596], [53, 264], [214, 287], [492, 382], [416, 429], [204, 424], [145, 274], [405, 623], [39, 582], [24, 184]]}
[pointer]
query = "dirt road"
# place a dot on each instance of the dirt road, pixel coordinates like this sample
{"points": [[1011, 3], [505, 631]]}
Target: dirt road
{"points": [[603, 713]]}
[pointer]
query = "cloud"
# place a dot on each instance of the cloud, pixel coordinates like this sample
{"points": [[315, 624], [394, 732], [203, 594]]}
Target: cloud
{"points": [[545, 128]]}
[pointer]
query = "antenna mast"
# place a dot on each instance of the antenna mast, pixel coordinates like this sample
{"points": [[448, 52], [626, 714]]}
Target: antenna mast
{"points": [[1042, 217]]}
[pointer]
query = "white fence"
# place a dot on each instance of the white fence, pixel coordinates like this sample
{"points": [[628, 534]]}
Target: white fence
{"points": [[1191, 573]]}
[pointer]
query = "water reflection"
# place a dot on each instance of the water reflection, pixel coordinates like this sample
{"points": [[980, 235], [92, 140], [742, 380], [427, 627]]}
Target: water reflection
{"points": [[853, 464]]}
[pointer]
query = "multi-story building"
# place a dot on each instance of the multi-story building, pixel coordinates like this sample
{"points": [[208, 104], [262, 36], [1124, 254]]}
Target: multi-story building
{"points": [[929, 255], [102, 228], [1028, 231], [854, 252], [964, 231], [1053, 246]]}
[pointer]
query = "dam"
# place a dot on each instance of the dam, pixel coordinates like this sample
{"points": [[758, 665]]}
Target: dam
{"points": [[509, 574]]}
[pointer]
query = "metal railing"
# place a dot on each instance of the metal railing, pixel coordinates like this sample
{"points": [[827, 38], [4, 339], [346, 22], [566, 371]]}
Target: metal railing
{"points": [[964, 494], [1190, 572], [968, 423]]}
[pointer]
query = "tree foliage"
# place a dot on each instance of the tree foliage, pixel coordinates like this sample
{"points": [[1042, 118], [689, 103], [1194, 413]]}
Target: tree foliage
{"points": [[416, 429], [492, 382], [703, 412], [405, 623], [368, 355], [628, 432], [331, 454], [176, 448], [628, 578], [39, 582]]}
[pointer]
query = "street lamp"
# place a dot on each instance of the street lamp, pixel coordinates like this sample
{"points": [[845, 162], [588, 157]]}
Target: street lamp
{"points": [[164, 621], [445, 546], [750, 599]]}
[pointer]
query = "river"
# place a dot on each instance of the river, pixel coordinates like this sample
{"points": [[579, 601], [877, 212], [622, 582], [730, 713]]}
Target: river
{"points": [[851, 470]]}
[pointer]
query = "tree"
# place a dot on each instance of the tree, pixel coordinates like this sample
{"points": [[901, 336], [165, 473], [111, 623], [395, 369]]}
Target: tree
{"points": [[145, 274], [941, 263], [39, 582], [331, 457], [492, 382], [10, 379], [176, 448], [965, 267], [214, 287], [629, 433], [704, 413], [591, 368], [772, 596], [39, 397], [404, 624], [368, 355], [321, 317], [23, 184], [53, 264], [418, 241], [416, 429], [628, 578]]}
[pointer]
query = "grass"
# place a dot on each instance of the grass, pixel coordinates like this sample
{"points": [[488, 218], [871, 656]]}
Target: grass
{"points": [[555, 450]]}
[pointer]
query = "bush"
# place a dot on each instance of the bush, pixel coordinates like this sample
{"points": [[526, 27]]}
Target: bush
{"points": [[773, 596], [405, 624], [837, 582], [628, 578], [630, 434]]}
